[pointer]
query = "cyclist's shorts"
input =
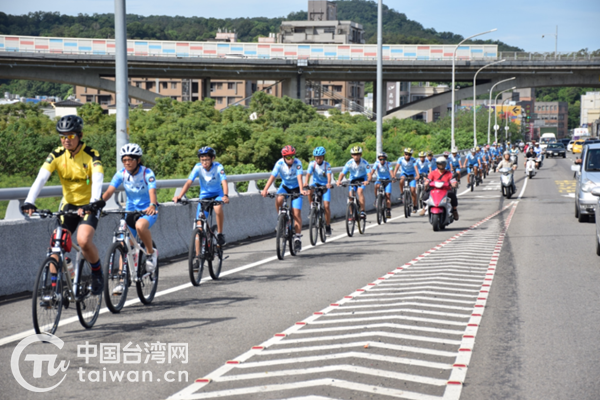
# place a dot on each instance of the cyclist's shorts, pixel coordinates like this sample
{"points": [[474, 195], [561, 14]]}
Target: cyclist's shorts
{"points": [[131, 222], [217, 196], [388, 187], [326, 195], [71, 222], [360, 179], [297, 202], [471, 168], [411, 180]]}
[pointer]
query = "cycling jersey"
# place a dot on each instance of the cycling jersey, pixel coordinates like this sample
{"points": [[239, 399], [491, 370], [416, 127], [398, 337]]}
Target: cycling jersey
{"points": [[75, 172], [319, 172], [454, 161], [407, 167], [210, 181], [359, 170], [289, 174], [423, 166], [472, 160], [136, 186], [383, 171], [514, 151]]}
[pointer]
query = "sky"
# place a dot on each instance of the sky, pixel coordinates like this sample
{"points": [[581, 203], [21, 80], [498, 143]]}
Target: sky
{"points": [[519, 23]]}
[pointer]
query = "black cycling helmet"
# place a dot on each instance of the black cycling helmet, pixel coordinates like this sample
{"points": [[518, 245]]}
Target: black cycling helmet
{"points": [[69, 123]]}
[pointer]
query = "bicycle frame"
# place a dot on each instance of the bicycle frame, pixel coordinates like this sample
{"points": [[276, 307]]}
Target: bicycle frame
{"points": [[124, 236], [56, 249]]}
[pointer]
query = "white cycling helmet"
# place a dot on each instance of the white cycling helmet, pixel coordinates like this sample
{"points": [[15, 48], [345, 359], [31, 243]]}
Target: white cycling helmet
{"points": [[441, 160], [454, 150], [131, 149]]}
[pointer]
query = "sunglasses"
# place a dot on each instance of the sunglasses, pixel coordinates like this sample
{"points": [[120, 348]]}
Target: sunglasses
{"points": [[382, 159], [70, 137], [289, 157], [357, 154], [127, 160]]}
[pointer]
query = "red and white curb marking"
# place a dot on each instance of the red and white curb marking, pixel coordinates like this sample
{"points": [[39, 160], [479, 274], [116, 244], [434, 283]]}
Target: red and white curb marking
{"points": [[459, 284]]}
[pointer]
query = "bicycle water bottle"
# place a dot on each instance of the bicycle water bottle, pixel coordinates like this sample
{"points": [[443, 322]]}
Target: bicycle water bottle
{"points": [[70, 267]]}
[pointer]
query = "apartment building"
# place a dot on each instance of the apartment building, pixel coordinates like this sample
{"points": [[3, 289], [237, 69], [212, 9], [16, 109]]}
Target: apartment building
{"points": [[551, 114]]}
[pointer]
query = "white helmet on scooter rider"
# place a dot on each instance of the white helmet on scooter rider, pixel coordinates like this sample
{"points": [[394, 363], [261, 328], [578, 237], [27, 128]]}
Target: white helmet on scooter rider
{"points": [[506, 153], [441, 160]]}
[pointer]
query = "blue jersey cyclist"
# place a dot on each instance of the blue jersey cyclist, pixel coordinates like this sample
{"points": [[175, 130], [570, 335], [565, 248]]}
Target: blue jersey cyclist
{"points": [[409, 170], [289, 169], [213, 185], [359, 170], [454, 161], [383, 168], [139, 183], [472, 163], [423, 164], [320, 170]]}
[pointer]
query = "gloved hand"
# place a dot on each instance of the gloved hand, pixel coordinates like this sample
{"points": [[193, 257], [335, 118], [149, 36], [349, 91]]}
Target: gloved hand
{"points": [[28, 206], [95, 206]]}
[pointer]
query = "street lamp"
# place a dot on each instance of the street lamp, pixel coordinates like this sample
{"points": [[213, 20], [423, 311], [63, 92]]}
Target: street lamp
{"points": [[122, 97], [475, 101], [490, 103], [506, 121], [496, 127], [555, 42], [380, 97], [453, 73]]}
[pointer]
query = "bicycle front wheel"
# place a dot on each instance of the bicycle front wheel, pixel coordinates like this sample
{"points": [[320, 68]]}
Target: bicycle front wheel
{"points": [[281, 236], [322, 226], [407, 203], [313, 226], [115, 275], [147, 282], [216, 260], [290, 235], [379, 210], [360, 222], [472, 181], [196, 257], [88, 304], [350, 219], [46, 300]]}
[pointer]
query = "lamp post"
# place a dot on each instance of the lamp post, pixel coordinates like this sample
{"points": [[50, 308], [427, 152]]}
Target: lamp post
{"points": [[475, 101], [490, 104], [555, 42], [506, 122], [453, 77], [496, 113], [122, 97], [379, 99]]}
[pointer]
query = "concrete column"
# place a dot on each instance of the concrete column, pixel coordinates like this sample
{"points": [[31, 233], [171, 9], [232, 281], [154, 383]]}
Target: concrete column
{"points": [[205, 89], [294, 87]]}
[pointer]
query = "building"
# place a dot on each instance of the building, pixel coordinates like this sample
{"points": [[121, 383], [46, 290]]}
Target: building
{"points": [[551, 116], [66, 107], [590, 108], [419, 91]]}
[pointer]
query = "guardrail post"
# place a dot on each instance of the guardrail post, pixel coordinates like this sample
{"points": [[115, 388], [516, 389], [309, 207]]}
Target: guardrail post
{"points": [[13, 211], [252, 188], [232, 189]]}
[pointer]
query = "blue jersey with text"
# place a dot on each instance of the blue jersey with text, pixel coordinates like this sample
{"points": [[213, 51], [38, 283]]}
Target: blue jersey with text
{"points": [[210, 181], [384, 171], [423, 166], [454, 160], [357, 170], [136, 186], [319, 172], [407, 167], [288, 173], [472, 159]]}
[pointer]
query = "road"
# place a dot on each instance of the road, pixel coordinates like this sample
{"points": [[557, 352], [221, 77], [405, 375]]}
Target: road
{"points": [[500, 305]]}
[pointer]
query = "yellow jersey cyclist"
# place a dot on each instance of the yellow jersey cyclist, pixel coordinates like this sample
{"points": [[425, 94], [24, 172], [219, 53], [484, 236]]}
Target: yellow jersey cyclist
{"points": [[140, 186], [81, 174], [383, 168], [410, 171], [320, 170], [213, 185], [359, 170], [289, 168]]}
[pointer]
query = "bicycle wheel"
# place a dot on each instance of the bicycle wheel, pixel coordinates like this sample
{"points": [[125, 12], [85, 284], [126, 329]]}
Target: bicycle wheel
{"points": [[379, 209], [281, 236], [359, 221], [290, 235], [472, 181], [196, 257], [407, 203], [46, 300], [88, 305], [115, 275], [215, 262], [384, 209], [350, 219], [313, 225], [322, 226], [147, 282]]}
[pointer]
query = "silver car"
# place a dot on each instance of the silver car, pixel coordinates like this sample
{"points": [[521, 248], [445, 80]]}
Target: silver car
{"points": [[588, 177]]}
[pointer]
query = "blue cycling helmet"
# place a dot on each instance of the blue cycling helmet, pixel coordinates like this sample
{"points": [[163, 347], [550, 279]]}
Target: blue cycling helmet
{"points": [[319, 151], [207, 151]]}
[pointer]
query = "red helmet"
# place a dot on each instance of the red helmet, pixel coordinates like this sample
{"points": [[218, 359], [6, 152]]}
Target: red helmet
{"points": [[288, 151]]}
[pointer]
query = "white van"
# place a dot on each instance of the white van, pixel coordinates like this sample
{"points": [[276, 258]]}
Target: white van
{"points": [[546, 139]]}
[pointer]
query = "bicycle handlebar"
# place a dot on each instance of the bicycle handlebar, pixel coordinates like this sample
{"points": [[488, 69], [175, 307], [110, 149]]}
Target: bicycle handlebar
{"points": [[292, 195], [48, 213], [185, 202]]}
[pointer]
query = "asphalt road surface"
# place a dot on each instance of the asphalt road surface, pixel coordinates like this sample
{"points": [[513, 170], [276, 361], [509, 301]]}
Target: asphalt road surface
{"points": [[500, 305]]}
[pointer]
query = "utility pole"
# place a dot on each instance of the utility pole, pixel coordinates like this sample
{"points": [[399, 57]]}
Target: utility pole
{"points": [[122, 97], [379, 100]]}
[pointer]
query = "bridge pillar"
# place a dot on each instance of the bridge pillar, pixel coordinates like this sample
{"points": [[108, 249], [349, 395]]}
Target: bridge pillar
{"points": [[294, 87], [205, 89]]}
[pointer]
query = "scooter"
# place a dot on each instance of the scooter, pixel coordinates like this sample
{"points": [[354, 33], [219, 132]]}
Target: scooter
{"points": [[530, 167], [439, 206], [507, 181]]}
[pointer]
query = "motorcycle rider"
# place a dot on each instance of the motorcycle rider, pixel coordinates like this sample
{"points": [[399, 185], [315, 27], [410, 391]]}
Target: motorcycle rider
{"points": [[514, 152], [442, 174], [530, 154], [507, 163]]}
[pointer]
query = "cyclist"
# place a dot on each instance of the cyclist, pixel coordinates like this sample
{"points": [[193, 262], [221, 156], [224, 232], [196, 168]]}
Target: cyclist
{"points": [[383, 168], [359, 170], [321, 173], [431, 162], [81, 174], [408, 164], [423, 164], [442, 174], [213, 185], [472, 163], [140, 185], [454, 161], [446, 155], [289, 168], [481, 159]]}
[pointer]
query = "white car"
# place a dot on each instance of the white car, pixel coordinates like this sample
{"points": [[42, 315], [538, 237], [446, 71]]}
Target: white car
{"points": [[570, 146]]}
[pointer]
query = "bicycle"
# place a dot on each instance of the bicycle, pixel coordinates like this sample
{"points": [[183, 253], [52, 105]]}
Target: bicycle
{"points": [[381, 201], [353, 211], [49, 297], [285, 225], [420, 192], [204, 247], [122, 254], [407, 197], [472, 179], [316, 219]]}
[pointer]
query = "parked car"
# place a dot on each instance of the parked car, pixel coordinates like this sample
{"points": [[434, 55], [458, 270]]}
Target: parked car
{"points": [[570, 145], [588, 177], [556, 150]]}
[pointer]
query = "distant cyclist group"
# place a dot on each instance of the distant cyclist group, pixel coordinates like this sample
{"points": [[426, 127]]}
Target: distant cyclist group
{"points": [[81, 174]]}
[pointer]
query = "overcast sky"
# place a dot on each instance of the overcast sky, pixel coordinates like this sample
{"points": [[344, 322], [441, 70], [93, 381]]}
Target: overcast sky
{"points": [[519, 23]]}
